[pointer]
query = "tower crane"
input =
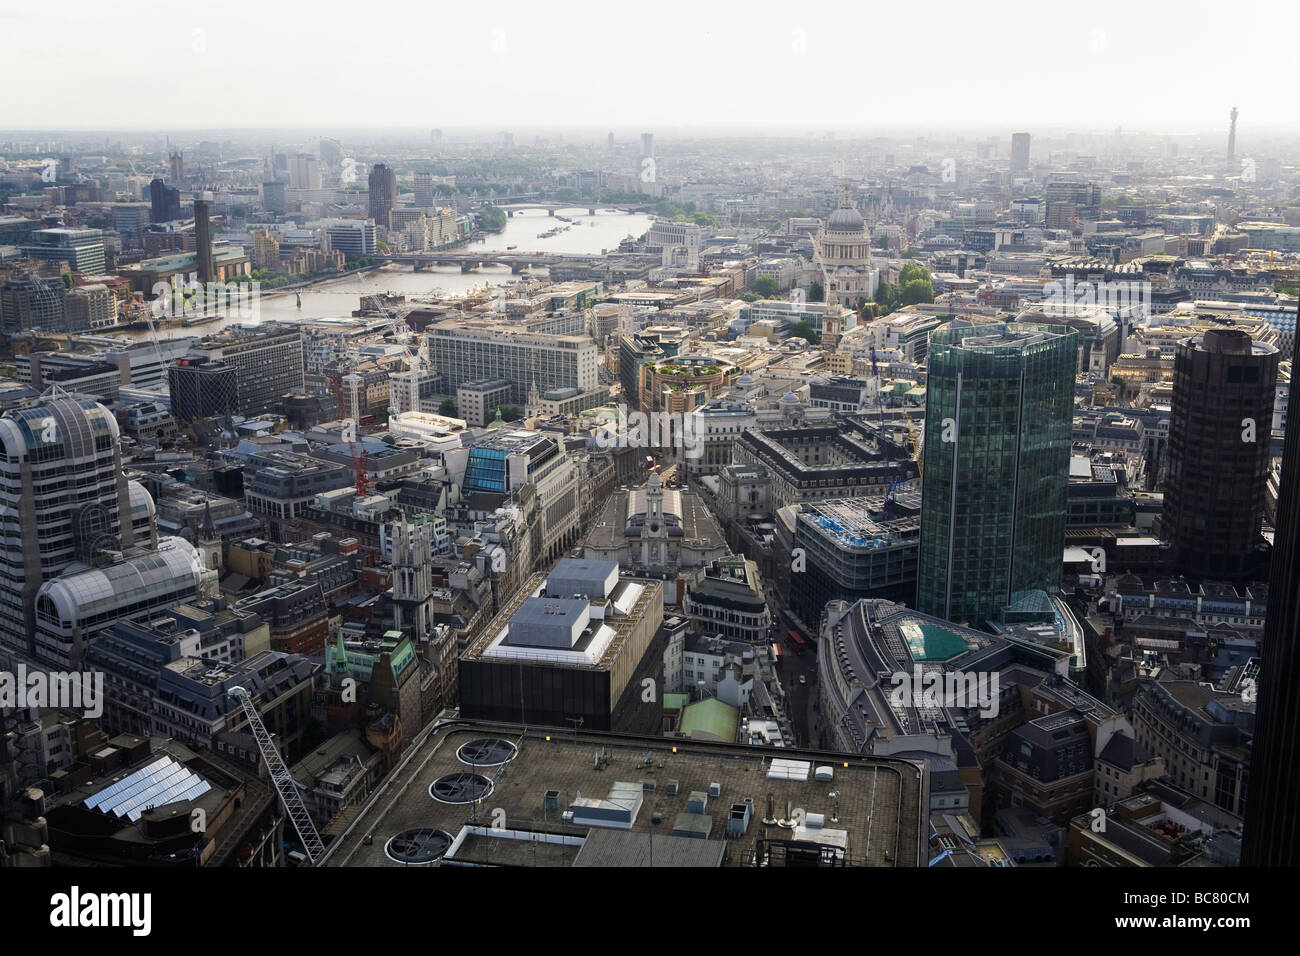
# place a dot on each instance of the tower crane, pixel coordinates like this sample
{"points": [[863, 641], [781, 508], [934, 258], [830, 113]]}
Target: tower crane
{"points": [[360, 461], [282, 779]]}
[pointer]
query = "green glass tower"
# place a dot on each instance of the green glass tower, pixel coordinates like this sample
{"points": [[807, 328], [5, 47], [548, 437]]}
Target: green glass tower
{"points": [[999, 406]]}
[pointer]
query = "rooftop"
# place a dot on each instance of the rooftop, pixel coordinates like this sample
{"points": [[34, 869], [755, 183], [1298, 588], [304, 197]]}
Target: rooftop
{"points": [[878, 810]]}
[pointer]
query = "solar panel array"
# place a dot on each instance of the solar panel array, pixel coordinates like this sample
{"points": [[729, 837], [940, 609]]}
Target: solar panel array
{"points": [[162, 782]]}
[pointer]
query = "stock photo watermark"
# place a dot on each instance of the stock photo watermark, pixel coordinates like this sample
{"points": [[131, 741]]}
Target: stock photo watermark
{"points": [[231, 300], [57, 690]]}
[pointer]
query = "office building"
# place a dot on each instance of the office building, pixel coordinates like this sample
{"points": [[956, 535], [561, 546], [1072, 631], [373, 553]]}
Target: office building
{"points": [[1219, 455], [383, 194], [565, 650], [997, 426], [273, 197], [81, 249], [477, 349], [267, 364], [201, 388], [424, 190], [131, 219], [203, 238], [31, 302], [164, 202], [1272, 835], [726, 598], [304, 172], [1019, 152], [355, 238], [73, 608], [810, 462], [477, 402], [63, 500], [848, 549]]}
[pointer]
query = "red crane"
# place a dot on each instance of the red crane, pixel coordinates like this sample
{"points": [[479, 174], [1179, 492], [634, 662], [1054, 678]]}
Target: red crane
{"points": [[360, 461]]}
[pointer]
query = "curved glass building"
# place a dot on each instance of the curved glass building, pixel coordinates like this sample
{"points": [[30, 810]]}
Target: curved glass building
{"points": [[999, 401]]}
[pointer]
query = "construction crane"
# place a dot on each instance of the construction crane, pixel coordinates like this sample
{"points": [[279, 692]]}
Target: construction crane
{"points": [[282, 779], [916, 445], [361, 460]]}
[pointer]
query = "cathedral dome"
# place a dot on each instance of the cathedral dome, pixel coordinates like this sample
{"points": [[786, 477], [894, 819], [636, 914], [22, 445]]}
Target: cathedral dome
{"points": [[845, 219]]}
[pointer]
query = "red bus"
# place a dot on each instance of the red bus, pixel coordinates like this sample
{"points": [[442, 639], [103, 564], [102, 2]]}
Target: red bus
{"points": [[797, 641], [777, 657]]}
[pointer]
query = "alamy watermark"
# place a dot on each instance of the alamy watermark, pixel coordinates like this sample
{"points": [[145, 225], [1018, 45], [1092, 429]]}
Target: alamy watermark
{"points": [[1060, 298], [936, 688], [58, 690], [232, 300], [654, 430]]}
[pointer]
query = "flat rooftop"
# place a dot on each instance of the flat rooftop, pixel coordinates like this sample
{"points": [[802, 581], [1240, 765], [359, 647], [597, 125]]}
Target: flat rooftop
{"points": [[879, 804]]}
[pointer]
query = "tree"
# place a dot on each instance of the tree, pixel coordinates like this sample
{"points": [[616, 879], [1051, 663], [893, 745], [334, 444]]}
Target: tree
{"points": [[802, 330], [448, 408], [381, 247], [916, 290], [510, 413], [492, 219], [816, 293], [766, 287]]}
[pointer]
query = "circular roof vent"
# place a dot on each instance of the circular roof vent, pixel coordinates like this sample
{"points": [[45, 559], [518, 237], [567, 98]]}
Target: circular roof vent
{"points": [[418, 846], [460, 788], [487, 752]]}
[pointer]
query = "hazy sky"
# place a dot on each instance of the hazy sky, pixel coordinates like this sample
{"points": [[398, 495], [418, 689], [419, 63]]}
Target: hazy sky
{"points": [[150, 64]]}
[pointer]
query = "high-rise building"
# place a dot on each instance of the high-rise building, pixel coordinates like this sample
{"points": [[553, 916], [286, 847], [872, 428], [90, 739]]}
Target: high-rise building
{"points": [[1272, 835], [1019, 152], [304, 171], [176, 166], [273, 197], [63, 499], [354, 238], [1232, 137], [165, 202], [996, 466], [81, 249], [200, 389], [1219, 452], [424, 190], [203, 237], [267, 364], [383, 194]]}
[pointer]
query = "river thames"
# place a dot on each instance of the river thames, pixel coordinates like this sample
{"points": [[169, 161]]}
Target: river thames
{"points": [[337, 298]]}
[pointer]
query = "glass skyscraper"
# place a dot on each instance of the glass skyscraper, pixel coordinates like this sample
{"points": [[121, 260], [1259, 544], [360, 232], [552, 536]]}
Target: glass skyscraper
{"points": [[999, 400]]}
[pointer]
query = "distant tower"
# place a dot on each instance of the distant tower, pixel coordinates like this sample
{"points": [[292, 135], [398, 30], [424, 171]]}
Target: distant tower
{"points": [[647, 144], [203, 237], [609, 143], [1232, 137], [383, 194], [177, 163], [1019, 152]]}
